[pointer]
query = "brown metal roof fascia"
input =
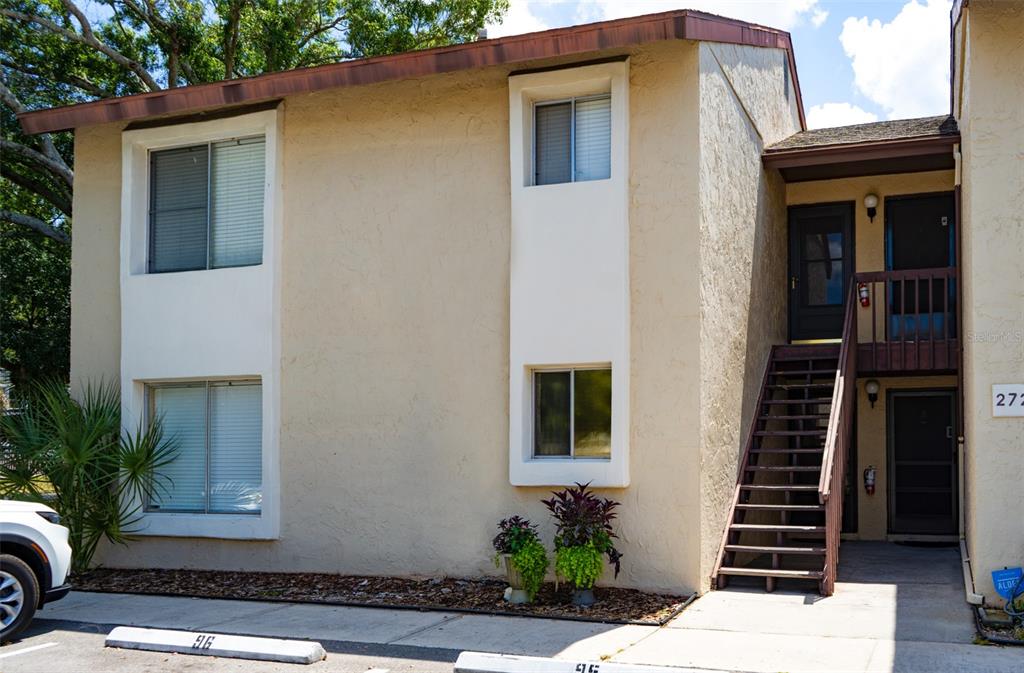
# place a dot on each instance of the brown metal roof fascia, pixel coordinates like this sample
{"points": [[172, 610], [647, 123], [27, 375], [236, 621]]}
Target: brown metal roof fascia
{"points": [[884, 149], [620, 33]]}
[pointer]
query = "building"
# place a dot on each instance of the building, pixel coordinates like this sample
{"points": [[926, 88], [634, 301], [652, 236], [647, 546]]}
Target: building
{"points": [[384, 303]]}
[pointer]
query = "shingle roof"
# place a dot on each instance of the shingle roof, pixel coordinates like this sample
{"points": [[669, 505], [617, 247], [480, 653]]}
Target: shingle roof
{"points": [[897, 129]]}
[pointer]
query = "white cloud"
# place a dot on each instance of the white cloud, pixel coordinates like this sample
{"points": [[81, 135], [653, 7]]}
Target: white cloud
{"points": [[903, 65], [522, 16], [519, 19], [828, 115]]}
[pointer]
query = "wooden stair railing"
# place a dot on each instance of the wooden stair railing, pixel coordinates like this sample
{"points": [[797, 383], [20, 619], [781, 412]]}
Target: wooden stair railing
{"points": [[832, 482]]}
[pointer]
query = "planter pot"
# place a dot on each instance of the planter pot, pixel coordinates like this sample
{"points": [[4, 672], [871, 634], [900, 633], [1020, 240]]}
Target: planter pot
{"points": [[583, 597], [515, 594]]}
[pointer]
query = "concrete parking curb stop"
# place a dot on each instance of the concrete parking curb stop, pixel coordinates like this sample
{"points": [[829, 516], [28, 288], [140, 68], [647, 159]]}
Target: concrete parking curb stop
{"points": [[484, 662], [216, 645]]}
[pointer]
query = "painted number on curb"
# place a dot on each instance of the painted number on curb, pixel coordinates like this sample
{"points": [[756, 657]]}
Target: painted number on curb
{"points": [[587, 668], [203, 642]]}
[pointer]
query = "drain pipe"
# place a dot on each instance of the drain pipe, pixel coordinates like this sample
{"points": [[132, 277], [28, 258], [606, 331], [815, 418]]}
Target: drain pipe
{"points": [[972, 597]]}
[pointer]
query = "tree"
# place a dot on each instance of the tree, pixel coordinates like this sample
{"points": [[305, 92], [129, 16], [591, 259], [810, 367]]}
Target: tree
{"points": [[60, 52]]}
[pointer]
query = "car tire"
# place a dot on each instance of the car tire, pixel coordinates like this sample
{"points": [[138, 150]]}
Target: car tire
{"points": [[19, 596]]}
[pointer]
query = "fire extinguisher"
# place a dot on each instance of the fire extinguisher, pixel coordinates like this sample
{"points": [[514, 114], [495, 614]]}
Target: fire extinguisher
{"points": [[862, 292], [869, 480]]}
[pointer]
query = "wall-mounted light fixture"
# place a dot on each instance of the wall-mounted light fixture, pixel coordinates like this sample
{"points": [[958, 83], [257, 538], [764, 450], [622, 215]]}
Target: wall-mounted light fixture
{"points": [[871, 203], [871, 387]]}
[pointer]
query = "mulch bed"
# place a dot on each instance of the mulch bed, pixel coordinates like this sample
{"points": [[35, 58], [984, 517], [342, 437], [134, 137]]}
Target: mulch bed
{"points": [[624, 606]]}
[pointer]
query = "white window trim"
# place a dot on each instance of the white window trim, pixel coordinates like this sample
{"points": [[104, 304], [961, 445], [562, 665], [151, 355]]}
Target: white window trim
{"points": [[572, 410], [140, 366], [545, 222]]}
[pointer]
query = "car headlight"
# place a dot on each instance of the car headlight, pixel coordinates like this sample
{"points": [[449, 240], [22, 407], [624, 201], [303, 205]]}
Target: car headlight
{"points": [[52, 517]]}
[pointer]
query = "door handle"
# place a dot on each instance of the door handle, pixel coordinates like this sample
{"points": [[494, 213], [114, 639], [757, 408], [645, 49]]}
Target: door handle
{"points": [[949, 432], [792, 282]]}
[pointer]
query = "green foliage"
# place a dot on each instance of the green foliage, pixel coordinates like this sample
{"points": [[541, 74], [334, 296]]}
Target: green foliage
{"points": [[581, 565], [72, 456], [532, 563], [513, 534]]}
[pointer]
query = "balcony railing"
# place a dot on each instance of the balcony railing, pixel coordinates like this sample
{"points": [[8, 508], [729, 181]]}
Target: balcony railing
{"points": [[910, 323]]}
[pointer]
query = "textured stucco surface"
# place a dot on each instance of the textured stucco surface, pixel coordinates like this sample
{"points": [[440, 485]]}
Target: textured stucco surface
{"points": [[742, 260], [991, 119], [395, 267], [95, 261]]}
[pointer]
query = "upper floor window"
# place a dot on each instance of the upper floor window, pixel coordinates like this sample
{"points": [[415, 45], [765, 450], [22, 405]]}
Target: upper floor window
{"points": [[206, 205], [572, 140]]}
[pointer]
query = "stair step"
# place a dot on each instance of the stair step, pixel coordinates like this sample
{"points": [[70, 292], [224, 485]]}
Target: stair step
{"points": [[774, 527], [755, 549], [819, 449], [802, 372], [760, 507], [791, 433], [784, 468], [773, 572], [794, 417], [800, 386], [779, 487], [807, 400]]}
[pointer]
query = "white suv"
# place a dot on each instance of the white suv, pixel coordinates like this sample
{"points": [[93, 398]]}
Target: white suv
{"points": [[34, 563]]}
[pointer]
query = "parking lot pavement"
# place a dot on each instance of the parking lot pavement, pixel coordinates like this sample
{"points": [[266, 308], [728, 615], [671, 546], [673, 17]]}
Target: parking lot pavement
{"points": [[49, 646]]}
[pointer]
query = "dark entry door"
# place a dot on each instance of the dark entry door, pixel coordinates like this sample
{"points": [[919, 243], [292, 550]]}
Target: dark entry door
{"points": [[922, 463], [920, 234], [820, 266]]}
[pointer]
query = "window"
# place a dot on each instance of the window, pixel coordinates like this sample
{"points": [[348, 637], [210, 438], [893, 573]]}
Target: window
{"points": [[572, 413], [206, 205], [217, 427], [572, 140]]}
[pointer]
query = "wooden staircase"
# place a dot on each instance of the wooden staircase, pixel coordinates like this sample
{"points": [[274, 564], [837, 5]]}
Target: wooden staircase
{"points": [[777, 525]]}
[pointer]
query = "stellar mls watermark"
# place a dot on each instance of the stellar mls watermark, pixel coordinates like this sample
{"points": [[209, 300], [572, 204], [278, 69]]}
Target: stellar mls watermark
{"points": [[1010, 338]]}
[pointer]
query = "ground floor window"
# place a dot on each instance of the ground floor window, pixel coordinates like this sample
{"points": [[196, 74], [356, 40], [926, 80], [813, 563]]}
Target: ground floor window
{"points": [[572, 413], [217, 428]]}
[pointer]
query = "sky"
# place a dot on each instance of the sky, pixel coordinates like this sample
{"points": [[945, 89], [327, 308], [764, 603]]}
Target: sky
{"points": [[857, 60]]}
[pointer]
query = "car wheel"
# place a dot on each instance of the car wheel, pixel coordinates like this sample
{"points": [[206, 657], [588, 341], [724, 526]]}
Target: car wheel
{"points": [[19, 596]]}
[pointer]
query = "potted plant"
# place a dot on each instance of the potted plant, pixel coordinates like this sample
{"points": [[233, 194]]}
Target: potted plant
{"points": [[583, 534], [526, 560]]}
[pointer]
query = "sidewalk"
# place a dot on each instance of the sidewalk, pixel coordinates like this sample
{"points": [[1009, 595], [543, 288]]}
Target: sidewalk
{"points": [[898, 609]]}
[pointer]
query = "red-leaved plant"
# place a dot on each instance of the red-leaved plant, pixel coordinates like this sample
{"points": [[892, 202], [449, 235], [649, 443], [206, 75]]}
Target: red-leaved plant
{"points": [[582, 517]]}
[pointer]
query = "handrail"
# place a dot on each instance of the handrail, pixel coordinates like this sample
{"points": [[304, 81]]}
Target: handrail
{"points": [[837, 440]]}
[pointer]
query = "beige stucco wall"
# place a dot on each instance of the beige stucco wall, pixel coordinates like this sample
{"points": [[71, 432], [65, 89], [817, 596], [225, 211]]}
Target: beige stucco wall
{"points": [[743, 107], [394, 438], [95, 261], [991, 119]]}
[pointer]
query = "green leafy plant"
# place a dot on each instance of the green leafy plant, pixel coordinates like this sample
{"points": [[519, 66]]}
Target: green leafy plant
{"points": [[517, 538], [71, 455], [583, 532], [581, 565]]}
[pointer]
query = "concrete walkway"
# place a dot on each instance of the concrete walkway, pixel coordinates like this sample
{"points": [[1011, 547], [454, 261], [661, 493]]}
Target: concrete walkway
{"points": [[896, 609]]}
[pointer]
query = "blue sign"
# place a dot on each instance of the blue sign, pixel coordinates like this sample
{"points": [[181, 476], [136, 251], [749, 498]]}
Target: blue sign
{"points": [[1008, 579]]}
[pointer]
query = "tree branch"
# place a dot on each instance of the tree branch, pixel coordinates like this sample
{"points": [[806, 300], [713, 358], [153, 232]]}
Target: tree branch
{"points": [[58, 168], [10, 100], [89, 41], [35, 224], [60, 201], [85, 85]]}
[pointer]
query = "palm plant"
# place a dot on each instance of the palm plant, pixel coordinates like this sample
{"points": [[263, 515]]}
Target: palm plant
{"points": [[71, 455]]}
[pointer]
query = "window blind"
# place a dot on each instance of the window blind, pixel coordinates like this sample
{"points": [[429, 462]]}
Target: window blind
{"points": [[206, 205], [552, 143], [236, 437], [593, 139], [182, 411], [217, 428], [178, 209], [236, 202]]}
